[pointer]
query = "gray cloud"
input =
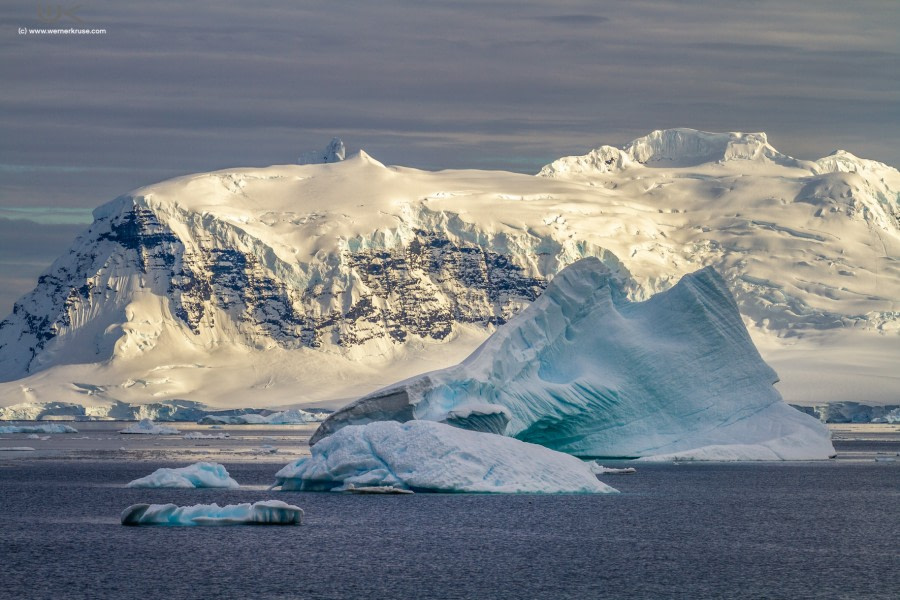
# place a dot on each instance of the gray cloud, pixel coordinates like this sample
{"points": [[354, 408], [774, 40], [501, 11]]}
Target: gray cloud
{"points": [[180, 87]]}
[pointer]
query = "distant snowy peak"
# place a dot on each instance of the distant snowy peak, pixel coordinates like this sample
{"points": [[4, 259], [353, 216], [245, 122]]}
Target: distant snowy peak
{"points": [[335, 151], [841, 161], [687, 147], [680, 147], [605, 159]]}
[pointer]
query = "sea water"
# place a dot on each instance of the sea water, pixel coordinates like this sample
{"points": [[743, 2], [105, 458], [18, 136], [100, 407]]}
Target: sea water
{"points": [[768, 530]]}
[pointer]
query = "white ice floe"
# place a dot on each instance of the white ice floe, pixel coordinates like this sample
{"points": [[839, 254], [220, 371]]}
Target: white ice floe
{"points": [[598, 469], [266, 512], [48, 428], [583, 370], [197, 475], [729, 453], [148, 427], [17, 449], [196, 435], [377, 489], [429, 456]]}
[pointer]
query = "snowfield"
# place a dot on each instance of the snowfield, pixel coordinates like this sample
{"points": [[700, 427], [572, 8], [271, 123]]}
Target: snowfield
{"points": [[315, 284]]}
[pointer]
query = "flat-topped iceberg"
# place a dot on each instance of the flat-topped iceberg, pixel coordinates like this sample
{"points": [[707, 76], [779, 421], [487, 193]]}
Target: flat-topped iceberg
{"points": [[266, 512], [286, 417], [429, 456], [148, 427], [582, 370], [48, 428], [197, 475]]}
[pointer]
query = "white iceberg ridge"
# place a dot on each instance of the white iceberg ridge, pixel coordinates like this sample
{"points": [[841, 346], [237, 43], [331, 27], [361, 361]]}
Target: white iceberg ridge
{"points": [[582, 370], [286, 417], [148, 427], [197, 475], [429, 456], [266, 512], [54, 428]]}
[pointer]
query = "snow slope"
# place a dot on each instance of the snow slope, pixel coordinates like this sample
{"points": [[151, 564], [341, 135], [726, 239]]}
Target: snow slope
{"points": [[584, 371], [315, 284]]}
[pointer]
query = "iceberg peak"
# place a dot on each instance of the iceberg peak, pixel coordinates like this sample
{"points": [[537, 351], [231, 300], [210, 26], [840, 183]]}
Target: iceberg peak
{"points": [[335, 151]]}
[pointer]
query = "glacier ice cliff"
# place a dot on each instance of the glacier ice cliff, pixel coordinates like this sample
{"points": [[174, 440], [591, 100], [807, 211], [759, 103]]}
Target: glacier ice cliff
{"points": [[428, 456], [583, 370], [197, 475], [43, 428], [266, 512], [286, 417]]}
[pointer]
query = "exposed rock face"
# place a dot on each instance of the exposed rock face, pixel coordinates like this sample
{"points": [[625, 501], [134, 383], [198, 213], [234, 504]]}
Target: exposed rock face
{"points": [[421, 288]]}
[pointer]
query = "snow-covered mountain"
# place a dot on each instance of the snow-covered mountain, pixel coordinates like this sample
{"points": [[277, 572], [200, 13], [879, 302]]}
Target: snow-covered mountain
{"points": [[318, 283]]}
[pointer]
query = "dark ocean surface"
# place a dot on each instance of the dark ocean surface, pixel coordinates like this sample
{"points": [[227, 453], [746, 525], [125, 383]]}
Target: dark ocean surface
{"points": [[793, 530]]}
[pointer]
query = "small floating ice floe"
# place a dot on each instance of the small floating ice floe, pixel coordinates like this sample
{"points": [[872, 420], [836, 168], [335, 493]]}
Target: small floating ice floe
{"points": [[148, 427], [265, 449], [598, 469], [196, 435], [48, 428], [376, 489], [197, 475], [17, 449], [266, 512]]}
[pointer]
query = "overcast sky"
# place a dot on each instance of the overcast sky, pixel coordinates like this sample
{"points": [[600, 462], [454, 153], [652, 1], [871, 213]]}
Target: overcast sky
{"points": [[179, 87]]}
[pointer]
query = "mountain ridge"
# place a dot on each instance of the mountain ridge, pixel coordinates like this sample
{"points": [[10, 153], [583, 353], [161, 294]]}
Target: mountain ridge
{"points": [[355, 267]]}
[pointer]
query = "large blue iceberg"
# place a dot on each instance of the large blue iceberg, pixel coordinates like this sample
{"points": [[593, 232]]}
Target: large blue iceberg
{"points": [[433, 457], [585, 371], [266, 512]]}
